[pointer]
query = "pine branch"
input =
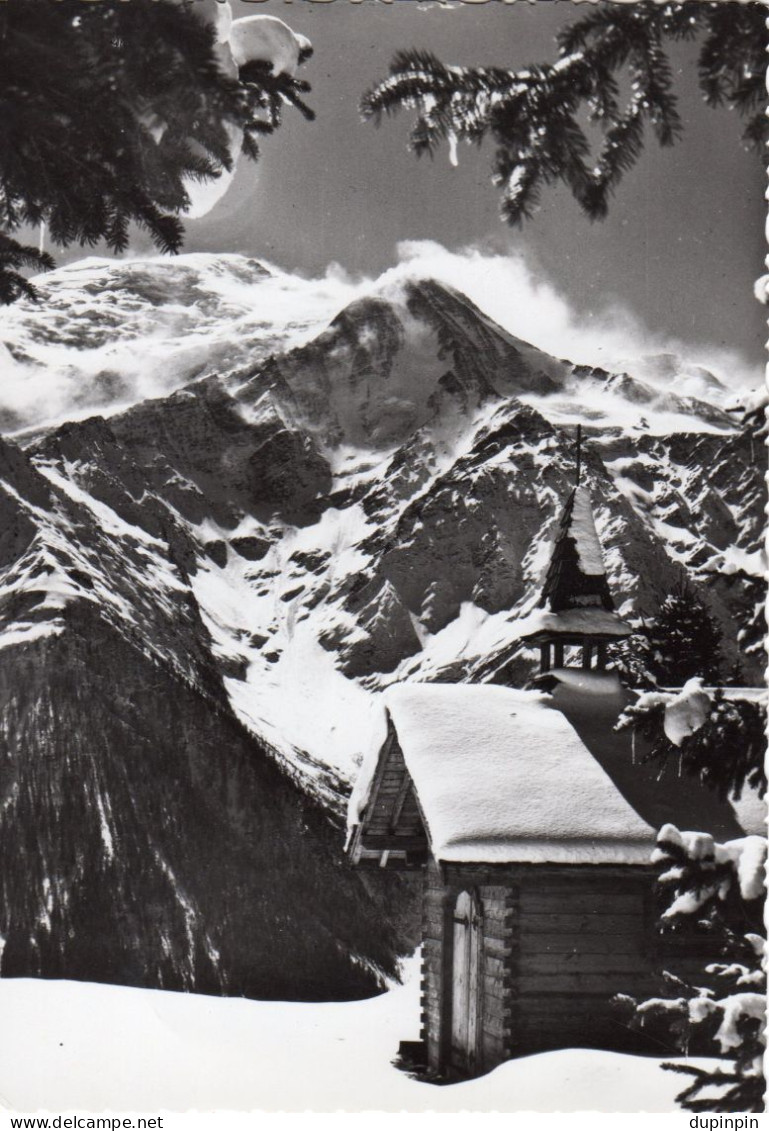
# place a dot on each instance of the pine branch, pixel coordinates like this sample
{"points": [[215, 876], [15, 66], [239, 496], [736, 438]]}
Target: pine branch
{"points": [[533, 115], [110, 111], [13, 258]]}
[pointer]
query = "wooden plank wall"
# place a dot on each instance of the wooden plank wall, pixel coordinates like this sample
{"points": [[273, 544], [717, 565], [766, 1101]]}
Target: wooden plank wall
{"points": [[558, 944], [500, 930], [435, 999], [584, 935], [393, 810]]}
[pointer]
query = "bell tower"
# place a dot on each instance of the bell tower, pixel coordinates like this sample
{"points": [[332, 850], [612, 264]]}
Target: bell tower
{"points": [[575, 613]]}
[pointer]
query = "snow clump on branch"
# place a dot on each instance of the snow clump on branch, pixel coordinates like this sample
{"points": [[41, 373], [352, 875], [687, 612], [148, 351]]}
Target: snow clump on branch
{"points": [[686, 711]]}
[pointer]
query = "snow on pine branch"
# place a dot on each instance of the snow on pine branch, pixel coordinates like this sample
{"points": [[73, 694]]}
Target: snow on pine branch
{"points": [[730, 1013], [718, 868], [685, 712], [720, 740], [267, 39], [263, 54], [723, 886]]}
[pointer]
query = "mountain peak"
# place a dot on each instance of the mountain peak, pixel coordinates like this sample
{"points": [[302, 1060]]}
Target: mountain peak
{"points": [[401, 357]]}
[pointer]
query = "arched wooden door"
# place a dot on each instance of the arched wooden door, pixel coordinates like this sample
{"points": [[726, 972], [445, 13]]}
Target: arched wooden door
{"points": [[466, 984]]}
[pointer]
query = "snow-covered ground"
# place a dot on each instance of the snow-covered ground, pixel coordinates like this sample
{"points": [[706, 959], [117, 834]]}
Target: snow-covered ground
{"points": [[85, 1047]]}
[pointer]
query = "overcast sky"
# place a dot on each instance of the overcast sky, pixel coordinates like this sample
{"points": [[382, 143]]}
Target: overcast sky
{"points": [[678, 253]]}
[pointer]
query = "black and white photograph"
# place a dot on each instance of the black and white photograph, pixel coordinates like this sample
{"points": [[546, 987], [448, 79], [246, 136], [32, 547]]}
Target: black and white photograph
{"points": [[382, 561]]}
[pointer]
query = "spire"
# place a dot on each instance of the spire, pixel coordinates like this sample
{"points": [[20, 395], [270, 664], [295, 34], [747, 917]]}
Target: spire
{"points": [[576, 610], [576, 577]]}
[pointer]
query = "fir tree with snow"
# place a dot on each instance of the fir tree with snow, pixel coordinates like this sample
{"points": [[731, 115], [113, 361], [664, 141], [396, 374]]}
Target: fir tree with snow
{"points": [[715, 891], [685, 641], [721, 741], [719, 891], [117, 113], [631, 659]]}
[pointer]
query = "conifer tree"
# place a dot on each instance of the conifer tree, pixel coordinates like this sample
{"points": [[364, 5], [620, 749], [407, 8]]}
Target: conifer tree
{"points": [[107, 110], [537, 116], [684, 640], [631, 659], [713, 891], [716, 891]]}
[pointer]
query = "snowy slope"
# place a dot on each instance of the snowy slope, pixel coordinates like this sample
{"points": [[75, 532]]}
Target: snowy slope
{"points": [[109, 333], [65, 1047], [147, 837]]}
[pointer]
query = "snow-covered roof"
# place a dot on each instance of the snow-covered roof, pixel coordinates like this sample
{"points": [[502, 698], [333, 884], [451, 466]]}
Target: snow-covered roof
{"points": [[596, 681], [576, 576], [590, 621], [502, 777], [582, 530], [505, 776]]}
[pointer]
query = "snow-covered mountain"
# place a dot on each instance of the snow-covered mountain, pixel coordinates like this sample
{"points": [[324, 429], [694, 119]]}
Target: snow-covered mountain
{"points": [[110, 333], [201, 593]]}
